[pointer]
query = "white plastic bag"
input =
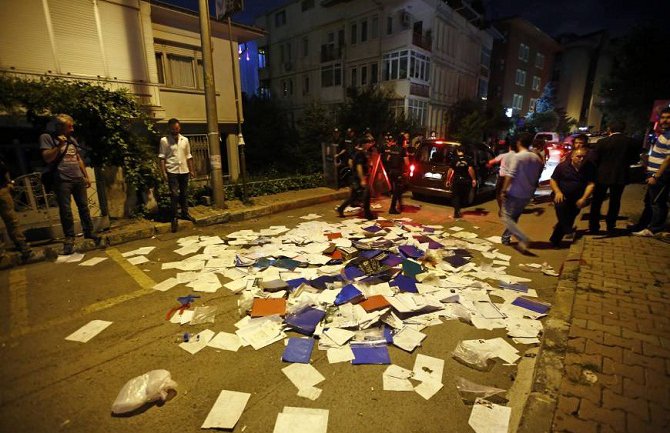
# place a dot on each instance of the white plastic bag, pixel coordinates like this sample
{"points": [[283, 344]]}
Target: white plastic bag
{"points": [[143, 389]]}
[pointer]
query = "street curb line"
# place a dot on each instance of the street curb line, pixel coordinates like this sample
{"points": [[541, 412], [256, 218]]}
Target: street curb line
{"points": [[538, 412]]}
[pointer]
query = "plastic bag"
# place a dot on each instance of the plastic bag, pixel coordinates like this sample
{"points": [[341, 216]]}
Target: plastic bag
{"points": [[470, 391], [475, 358], [203, 315], [143, 389]]}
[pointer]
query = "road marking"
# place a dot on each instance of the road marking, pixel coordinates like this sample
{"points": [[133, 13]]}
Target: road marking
{"points": [[18, 285], [18, 299]]}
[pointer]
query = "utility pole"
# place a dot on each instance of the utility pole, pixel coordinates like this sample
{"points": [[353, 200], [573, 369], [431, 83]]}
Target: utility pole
{"points": [[216, 175]]}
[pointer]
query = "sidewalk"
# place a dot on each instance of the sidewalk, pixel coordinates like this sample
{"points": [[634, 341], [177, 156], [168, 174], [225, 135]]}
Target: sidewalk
{"points": [[604, 365], [126, 230]]}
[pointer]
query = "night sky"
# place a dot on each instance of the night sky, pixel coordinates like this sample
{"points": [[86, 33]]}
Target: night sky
{"points": [[552, 16]]}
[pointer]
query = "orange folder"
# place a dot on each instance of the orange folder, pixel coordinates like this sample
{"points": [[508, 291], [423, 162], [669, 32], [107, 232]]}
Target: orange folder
{"points": [[374, 303], [267, 307]]}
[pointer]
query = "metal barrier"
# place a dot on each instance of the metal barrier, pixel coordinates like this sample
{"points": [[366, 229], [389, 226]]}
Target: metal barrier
{"points": [[200, 152]]}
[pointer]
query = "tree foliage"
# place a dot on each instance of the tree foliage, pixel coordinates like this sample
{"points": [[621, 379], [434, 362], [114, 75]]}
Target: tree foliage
{"points": [[639, 76], [109, 124], [472, 120], [547, 101]]}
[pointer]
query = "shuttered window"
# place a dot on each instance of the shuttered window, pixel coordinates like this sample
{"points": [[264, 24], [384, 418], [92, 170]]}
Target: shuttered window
{"points": [[124, 48], [25, 17], [181, 71]]}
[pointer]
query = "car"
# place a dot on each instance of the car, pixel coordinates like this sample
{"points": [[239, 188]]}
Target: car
{"points": [[430, 167]]}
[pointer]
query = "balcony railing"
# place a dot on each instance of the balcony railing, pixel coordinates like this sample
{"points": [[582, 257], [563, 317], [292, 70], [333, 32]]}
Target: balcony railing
{"points": [[423, 41]]}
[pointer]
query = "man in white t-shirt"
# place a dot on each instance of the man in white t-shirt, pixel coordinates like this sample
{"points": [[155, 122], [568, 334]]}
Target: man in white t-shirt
{"points": [[177, 167]]}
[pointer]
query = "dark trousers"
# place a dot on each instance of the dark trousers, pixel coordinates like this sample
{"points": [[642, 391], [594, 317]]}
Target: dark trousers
{"points": [[65, 190], [396, 190], [11, 220], [655, 206], [178, 184], [566, 213], [460, 191], [599, 193], [358, 193]]}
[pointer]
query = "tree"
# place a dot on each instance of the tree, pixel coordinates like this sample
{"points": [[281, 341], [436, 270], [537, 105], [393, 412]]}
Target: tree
{"points": [[469, 119], [109, 124], [315, 127], [547, 101], [639, 76]]}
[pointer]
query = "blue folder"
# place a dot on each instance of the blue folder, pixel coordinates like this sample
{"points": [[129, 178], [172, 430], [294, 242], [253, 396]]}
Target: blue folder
{"points": [[298, 350]]}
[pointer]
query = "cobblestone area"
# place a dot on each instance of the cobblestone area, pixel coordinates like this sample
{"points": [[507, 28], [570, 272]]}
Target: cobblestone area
{"points": [[617, 362]]}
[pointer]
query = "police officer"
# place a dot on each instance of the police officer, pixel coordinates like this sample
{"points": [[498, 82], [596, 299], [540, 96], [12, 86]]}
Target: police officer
{"points": [[394, 159], [462, 177], [360, 189]]}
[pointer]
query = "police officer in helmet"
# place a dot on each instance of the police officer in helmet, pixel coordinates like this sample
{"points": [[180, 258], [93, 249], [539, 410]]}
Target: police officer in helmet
{"points": [[395, 159]]}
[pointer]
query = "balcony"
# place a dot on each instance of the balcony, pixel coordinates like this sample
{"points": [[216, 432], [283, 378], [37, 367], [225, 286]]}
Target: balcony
{"points": [[330, 53], [419, 90], [424, 41]]}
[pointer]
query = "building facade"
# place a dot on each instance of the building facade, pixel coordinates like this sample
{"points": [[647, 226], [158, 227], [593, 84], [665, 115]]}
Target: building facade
{"points": [[582, 66], [522, 64], [426, 54]]}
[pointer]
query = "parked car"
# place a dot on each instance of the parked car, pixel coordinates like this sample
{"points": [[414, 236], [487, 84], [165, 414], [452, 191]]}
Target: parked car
{"points": [[430, 167]]}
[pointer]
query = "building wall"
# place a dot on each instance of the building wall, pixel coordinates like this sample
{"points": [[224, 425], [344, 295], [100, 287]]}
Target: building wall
{"points": [[451, 45]]}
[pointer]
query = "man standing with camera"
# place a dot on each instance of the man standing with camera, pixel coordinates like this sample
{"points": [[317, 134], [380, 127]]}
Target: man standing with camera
{"points": [[177, 167], [60, 151]]}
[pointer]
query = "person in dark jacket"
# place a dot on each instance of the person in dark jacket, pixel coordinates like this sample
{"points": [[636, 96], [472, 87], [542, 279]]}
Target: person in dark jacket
{"points": [[612, 157], [462, 178], [394, 159], [360, 189]]}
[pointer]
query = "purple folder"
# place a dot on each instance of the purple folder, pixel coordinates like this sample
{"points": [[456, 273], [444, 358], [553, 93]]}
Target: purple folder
{"points": [[298, 350], [370, 354]]}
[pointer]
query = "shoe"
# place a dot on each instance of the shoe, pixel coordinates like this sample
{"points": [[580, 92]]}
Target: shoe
{"points": [[505, 241], [68, 249], [188, 217], [458, 215], [340, 212], [26, 254], [370, 216], [394, 212], [570, 237], [95, 238], [644, 233], [174, 225]]}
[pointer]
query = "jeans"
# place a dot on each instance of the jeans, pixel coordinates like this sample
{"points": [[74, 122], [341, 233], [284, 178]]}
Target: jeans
{"points": [[512, 209], [566, 212], [655, 206], [64, 191], [599, 193], [178, 184]]}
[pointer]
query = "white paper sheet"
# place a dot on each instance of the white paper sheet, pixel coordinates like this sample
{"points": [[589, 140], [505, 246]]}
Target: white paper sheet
{"points": [[88, 331], [94, 261], [302, 420], [143, 251], [340, 354], [137, 260], [408, 339], [166, 284], [197, 342], [487, 417], [428, 389], [427, 369], [339, 336], [303, 375], [311, 393], [72, 258], [225, 341], [227, 410], [182, 318]]}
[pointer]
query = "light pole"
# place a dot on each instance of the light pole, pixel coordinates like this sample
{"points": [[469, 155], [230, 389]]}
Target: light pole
{"points": [[216, 175]]}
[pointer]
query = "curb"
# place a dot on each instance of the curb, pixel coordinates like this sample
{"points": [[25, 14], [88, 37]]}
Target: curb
{"points": [[538, 412], [144, 229]]}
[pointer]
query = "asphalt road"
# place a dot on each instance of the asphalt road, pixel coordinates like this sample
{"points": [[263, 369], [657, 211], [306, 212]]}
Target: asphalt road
{"points": [[50, 384]]}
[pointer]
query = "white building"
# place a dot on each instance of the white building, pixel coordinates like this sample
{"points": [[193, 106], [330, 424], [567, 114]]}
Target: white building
{"points": [[423, 51]]}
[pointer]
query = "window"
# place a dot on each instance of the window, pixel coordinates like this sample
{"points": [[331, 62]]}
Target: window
{"points": [[199, 74], [284, 88], [262, 58], [374, 27], [485, 58], [524, 50], [331, 75], [181, 71], [354, 33], [364, 75], [305, 47], [280, 18], [517, 101], [364, 30], [307, 5], [483, 90], [531, 104], [264, 89], [417, 110], [400, 65], [160, 67], [305, 86], [389, 25], [354, 77], [374, 73], [520, 79], [536, 83], [539, 61]]}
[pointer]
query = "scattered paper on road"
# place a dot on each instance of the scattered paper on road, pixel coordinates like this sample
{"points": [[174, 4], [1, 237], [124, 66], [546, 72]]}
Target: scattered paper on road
{"points": [[72, 258], [227, 410], [94, 261], [166, 285], [225, 341], [197, 342], [88, 331], [487, 417], [137, 260], [303, 375], [143, 251], [303, 420]]}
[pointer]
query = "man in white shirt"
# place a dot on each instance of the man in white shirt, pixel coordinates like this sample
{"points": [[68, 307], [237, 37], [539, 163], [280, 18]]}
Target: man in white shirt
{"points": [[177, 167]]}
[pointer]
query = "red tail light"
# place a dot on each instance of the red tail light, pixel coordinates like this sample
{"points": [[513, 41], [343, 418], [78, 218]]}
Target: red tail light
{"points": [[411, 170]]}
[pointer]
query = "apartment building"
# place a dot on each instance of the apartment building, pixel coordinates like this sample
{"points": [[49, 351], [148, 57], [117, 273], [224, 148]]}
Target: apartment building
{"points": [[424, 52], [522, 64]]}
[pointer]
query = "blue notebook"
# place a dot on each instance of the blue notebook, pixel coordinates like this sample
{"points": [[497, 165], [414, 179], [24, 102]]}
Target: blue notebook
{"points": [[404, 284], [352, 272], [305, 320], [349, 293], [410, 251], [298, 350], [370, 354]]}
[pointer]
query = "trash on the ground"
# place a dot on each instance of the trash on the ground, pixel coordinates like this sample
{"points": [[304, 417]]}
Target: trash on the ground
{"points": [[72, 258], [311, 216], [303, 375], [203, 314], [197, 342], [88, 331], [143, 251], [396, 378], [470, 391], [476, 353], [166, 285], [92, 262], [137, 260], [590, 376], [301, 419], [370, 353], [227, 410], [298, 350], [138, 391], [487, 417], [225, 341], [533, 305], [408, 339]]}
